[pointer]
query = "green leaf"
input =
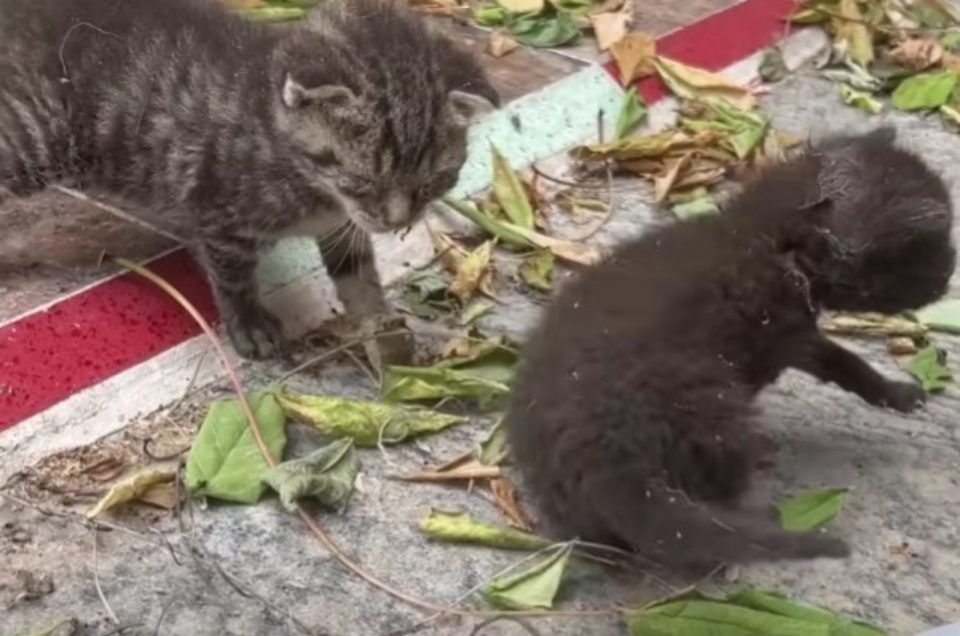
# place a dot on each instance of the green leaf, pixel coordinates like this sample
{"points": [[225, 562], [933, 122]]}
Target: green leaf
{"points": [[656, 625], [327, 474], [929, 366], [534, 587], [225, 461], [708, 617], [696, 207], [483, 375], [475, 311], [860, 99], [507, 232], [924, 91], [808, 16], [459, 527], [273, 14], [951, 41], [509, 192], [930, 16], [941, 316], [633, 111], [537, 270], [55, 629], [744, 130], [776, 603], [428, 295], [772, 67], [493, 449], [490, 15], [367, 423], [811, 510], [950, 114], [544, 31]]}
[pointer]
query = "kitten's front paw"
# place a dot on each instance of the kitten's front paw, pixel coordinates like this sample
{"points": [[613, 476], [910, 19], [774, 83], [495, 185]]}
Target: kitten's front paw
{"points": [[256, 334], [903, 396]]}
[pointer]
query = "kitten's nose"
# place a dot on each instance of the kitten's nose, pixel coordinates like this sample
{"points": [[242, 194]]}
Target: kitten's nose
{"points": [[397, 210]]}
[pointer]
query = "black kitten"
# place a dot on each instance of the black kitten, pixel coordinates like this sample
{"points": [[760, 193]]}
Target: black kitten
{"points": [[632, 417]]}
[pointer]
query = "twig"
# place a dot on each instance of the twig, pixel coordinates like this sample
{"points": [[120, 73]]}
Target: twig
{"points": [[96, 582], [329, 353], [163, 614], [608, 164], [570, 184], [360, 365]]}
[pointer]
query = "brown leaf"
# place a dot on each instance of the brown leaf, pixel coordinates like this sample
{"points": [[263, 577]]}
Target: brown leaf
{"points": [[663, 183], [161, 495], [634, 55], [468, 469], [951, 62], [918, 54], [609, 28], [901, 346], [501, 44], [695, 178], [505, 498]]}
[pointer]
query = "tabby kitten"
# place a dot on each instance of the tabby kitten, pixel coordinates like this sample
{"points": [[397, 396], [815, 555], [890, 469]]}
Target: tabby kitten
{"points": [[632, 419], [236, 134]]}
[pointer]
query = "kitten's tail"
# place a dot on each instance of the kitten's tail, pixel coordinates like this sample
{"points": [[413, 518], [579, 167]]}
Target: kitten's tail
{"points": [[675, 530]]}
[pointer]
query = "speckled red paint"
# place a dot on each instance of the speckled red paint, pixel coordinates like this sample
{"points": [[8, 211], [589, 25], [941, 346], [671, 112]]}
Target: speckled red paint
{"points": [[48, 356]]}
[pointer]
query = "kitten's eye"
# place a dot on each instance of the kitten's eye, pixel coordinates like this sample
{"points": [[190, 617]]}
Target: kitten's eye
{"points": [[323, 158]]}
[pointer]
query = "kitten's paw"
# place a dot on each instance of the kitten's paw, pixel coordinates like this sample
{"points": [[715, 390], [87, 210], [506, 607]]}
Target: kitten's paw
{"points": [[396, 349], [256, 334], [903, 396]]}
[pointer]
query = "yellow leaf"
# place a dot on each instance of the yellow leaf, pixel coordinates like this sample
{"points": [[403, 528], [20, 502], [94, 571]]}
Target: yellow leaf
{"points": [[634, 54], [510, 193], [568, 250], [851, 30], [918, 54], [500, 44], [522, 6], [162, 495], [609, 28], [130, 489], [688, 82], [473, 274], [647, 147], [662, 184]]}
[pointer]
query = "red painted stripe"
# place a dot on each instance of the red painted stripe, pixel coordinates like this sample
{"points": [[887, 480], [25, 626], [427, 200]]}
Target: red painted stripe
{"points": [[85, 339], [718, 41]]}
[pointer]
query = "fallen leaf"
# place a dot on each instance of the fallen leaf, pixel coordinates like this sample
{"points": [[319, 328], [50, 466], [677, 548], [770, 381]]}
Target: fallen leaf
{"points": [[694, 83], [509, 192], [929, 367], [811, 510], [850, 30], [772, 68], [225, 461], [522, 6], [505, 498], [776, 603], [475, 311], [493, 449], [367, 423], [499, 44], [130, 489], [484, 375], [467, 470], [532, 588], [490, 15], [633, 112], [653, 146], [428, 295], [663, 183], [808, 16], [163, 495], [924, 91], [459, 527], [544, 31], [609, 28], [855, 77], [870, 324], [70, 624], [696, 207], [860, 99], [917, 54], [634, 55], [950, 114], [941, 316], [327, 474], [537, 270], [474, 274]]}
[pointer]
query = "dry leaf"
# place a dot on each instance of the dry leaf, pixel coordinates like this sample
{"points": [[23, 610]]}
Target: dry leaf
{"points": [[505, 498], [703, 177], [501, 44], [474, 274], [634, 54], [161, 495], [950, 62], [852, 32], [901, 346], [662, 184], [130, 489], [469, 469], [610, 28], [917, 54], [689, 82]]}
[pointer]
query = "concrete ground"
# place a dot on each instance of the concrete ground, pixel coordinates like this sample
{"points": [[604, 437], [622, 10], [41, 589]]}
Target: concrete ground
{"points": [[229, 569]]}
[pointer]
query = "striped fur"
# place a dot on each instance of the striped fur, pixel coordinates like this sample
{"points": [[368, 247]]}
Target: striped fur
{"points": [[234, 134]]}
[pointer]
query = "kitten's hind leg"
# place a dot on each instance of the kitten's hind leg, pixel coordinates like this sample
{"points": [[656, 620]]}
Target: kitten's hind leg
{"points": [[231, 262], [349, 258], [830, 362]]}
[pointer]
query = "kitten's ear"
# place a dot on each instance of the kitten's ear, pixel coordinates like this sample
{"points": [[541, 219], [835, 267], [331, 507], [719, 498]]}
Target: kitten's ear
{"points": [[467, 107], [296, 95]]}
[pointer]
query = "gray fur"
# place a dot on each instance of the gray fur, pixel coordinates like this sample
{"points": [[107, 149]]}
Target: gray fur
{"points": [[235, 134]]}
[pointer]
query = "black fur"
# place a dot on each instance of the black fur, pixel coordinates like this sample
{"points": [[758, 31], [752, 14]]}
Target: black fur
{"points": [[633, 421]]}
